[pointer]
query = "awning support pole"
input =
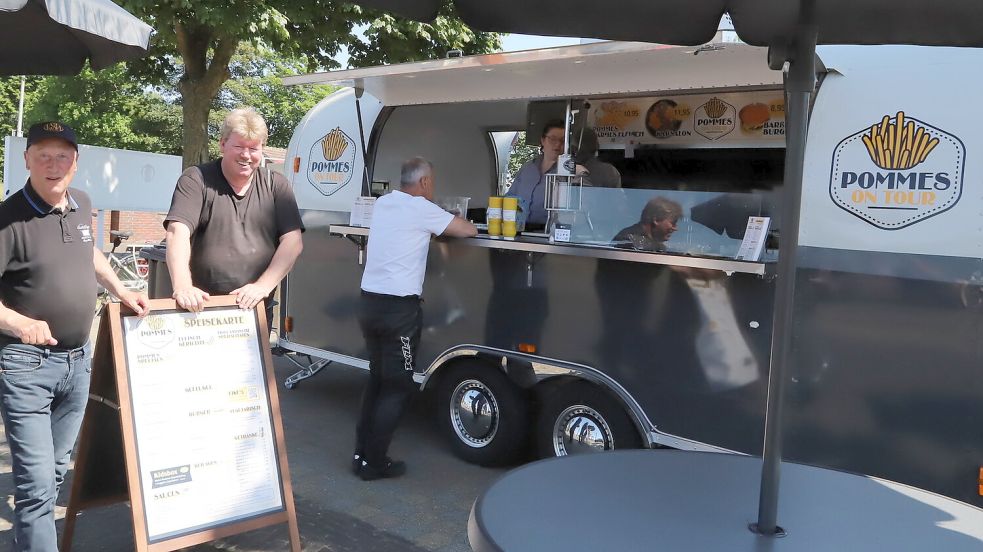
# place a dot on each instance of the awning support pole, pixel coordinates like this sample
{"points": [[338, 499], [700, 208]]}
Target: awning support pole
{"points": [[366, 185], [800, 85]]}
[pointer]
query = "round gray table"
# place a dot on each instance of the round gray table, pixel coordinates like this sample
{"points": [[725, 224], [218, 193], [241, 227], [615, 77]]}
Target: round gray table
{"points": [[674, 500]]}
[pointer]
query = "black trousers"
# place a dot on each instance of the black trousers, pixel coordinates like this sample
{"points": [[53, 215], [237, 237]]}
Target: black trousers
{"points": [[391, 326]]}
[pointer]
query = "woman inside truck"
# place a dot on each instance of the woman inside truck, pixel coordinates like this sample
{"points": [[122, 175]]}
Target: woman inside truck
{"points": [[529, 184]]}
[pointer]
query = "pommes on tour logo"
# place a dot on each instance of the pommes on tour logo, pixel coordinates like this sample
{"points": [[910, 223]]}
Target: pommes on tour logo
{"points": [[897, 172], [331, 163]]}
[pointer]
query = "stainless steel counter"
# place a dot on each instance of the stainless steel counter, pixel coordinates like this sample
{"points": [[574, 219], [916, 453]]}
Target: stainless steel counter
{"points": [[543, 245]]}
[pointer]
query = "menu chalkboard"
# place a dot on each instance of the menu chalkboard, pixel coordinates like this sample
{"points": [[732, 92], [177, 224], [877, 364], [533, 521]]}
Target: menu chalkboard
{"points": [[200, 429]]}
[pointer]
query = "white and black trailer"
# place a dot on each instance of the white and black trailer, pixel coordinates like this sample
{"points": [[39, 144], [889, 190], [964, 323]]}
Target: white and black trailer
{"points": [[588, 345]]}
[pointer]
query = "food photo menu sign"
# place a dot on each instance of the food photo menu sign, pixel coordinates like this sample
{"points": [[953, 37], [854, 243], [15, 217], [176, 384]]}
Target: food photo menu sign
{"points": [[735, 119]]}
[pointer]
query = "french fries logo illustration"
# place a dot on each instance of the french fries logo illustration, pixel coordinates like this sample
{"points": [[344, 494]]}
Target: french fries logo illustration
{"points": [[894, 144], [331, 163], [715, 108], [714, 119], [334, 144], [898, 171], [155, 331]]}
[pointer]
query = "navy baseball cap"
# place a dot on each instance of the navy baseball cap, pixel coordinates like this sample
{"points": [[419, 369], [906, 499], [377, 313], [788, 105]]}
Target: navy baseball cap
{"points": [[51, 129]]}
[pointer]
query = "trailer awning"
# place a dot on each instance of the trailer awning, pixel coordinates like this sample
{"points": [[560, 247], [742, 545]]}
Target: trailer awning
{"points": [[586, 70]]}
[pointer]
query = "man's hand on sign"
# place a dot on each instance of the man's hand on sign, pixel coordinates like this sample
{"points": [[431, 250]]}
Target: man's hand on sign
{"points": [[249, 295], [137, 301], [33, 332], [191, 298]]}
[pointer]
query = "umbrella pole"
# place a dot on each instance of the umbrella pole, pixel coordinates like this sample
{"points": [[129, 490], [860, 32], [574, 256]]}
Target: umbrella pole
{"points": [[800, 84], [20, 109]]}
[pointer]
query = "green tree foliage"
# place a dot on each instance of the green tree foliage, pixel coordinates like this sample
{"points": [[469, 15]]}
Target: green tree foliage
{"points": [[521, 153], [107, 108], [9, 100], [197, 39], [393, 40], [256, 81]]}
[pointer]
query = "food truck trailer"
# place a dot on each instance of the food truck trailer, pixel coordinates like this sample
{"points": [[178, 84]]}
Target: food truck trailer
{"points": [[581, 343]]}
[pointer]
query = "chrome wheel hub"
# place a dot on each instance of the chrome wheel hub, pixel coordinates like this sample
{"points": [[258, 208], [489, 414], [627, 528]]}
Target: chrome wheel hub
{"points": [[474, 413], [581, 429]]}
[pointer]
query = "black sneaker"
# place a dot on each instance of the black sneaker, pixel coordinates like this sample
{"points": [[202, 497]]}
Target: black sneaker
{"points": [[392, 468]]}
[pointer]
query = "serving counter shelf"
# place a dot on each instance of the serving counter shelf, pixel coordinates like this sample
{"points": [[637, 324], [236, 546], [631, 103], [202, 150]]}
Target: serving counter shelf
{"points": [[542, 245]]}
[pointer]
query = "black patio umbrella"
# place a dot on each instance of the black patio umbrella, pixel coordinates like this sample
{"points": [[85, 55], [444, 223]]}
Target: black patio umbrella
{"points": [[55, 37], [791, 29]]}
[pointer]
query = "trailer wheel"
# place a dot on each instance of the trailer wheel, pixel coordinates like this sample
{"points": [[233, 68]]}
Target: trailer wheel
{"points": [[577, 417], [482, 413]]}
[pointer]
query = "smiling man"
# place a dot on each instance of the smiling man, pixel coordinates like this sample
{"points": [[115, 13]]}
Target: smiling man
{"points": [[48, 273], [233, 227]]}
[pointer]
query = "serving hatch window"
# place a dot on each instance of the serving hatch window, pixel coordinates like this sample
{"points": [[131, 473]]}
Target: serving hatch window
{"points": [[511, 152], [708, 193]]}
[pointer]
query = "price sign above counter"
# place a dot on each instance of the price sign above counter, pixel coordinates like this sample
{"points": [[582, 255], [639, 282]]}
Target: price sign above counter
{"points": [[737, 119]]}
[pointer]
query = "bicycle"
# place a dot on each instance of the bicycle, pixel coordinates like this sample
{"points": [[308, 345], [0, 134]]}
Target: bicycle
{"points": [[130, 268]]}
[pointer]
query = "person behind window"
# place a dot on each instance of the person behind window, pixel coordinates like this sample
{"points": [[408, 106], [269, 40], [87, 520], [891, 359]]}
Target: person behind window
{"points": [[599, 173], [529, 184], [657, 223]]}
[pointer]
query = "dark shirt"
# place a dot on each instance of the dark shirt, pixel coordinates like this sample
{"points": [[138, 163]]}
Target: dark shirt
{"points": [[635, 237], [46, 268], [233, 238], [602, 174]]}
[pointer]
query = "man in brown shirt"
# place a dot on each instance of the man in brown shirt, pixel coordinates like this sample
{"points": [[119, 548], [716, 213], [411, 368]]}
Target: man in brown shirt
{"points": [[233, 227]]}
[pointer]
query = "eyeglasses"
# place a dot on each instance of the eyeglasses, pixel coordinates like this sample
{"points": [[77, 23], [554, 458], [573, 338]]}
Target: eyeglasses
{"points": [[58, 158]]}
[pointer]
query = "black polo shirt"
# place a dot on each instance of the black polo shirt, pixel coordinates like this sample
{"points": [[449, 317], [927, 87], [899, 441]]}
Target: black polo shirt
{"points": [[233, 238], [46, 268]]}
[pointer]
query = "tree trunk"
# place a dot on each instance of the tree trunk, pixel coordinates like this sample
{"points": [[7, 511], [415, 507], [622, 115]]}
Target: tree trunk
{"points": [[200, 83], [196, 104]]}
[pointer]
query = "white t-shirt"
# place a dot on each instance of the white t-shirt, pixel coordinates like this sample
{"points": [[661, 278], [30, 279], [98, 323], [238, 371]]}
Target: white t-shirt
{"points": [[399, 239]]}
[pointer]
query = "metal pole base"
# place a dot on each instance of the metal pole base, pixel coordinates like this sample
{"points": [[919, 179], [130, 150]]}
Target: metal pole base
{"points": [[777, 533]]}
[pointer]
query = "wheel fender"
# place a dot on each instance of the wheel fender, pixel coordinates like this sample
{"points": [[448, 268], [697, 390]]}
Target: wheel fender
{"points": [[520, 371]]}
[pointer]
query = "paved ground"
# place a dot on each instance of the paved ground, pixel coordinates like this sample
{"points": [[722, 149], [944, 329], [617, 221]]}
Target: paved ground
{"points": [[425, 510]]}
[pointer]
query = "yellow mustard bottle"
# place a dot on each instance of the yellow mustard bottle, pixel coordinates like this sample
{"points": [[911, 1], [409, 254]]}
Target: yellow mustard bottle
{"points": [[494, 216], [510, 206]]}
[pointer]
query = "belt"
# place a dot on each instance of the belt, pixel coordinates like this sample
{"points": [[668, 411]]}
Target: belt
{"points": [[387, 296], [73, 354]]}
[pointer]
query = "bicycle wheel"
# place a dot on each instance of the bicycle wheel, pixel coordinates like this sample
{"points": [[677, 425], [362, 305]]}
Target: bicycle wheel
{"points": [[126, 269]]}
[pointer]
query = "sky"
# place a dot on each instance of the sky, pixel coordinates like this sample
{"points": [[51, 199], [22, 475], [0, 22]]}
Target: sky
{"points": [[510, 43], [513, 42]]}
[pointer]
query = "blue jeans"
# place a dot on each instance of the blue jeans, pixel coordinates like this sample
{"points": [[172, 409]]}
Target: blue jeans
{"points": [[43, 393]]}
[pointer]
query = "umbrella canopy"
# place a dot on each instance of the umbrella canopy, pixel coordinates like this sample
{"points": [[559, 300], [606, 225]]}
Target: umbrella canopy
{"points": [[689, 22], [55, 37]]}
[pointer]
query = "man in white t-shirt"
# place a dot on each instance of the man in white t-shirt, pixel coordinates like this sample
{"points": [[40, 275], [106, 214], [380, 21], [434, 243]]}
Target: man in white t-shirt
{"points": [[390, 314]]}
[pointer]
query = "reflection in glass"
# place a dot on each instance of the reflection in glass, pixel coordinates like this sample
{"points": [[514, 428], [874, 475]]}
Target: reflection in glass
{"points": [[707, 224]]}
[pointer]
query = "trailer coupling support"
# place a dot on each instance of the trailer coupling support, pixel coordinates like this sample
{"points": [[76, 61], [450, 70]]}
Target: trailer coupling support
{"points": [[305, 372]]}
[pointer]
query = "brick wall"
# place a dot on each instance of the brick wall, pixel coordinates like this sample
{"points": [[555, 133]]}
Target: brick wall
{"points": [[147, 228]]}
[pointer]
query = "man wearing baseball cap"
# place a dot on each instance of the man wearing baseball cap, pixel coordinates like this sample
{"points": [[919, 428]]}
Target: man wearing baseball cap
{"points": [[48, 273]]}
